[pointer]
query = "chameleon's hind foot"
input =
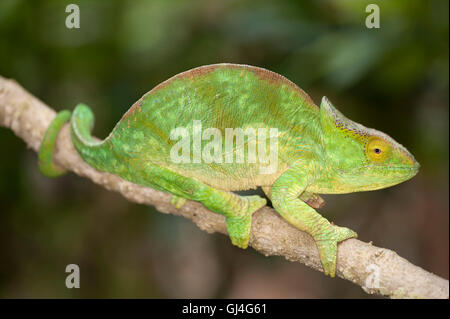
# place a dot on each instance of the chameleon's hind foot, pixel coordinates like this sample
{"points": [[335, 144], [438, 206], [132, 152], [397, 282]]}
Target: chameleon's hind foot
{"points": [[327, 241], [239, 225], [177, 201]]}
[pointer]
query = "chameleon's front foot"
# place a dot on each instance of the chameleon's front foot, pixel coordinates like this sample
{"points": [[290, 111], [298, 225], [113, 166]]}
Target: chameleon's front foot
{"points": [[239, 225], [327, 241]]}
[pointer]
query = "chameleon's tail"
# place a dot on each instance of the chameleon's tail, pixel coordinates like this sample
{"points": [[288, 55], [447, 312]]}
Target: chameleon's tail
{"points": [[46, 164], [82, 122], [92, 151]]}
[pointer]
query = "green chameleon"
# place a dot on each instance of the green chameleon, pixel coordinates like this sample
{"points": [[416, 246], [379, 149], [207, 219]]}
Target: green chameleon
{"points": [[319, 150]]}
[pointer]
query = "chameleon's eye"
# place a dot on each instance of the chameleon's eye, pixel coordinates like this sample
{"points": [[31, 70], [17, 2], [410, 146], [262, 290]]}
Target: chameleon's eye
{"points": [[378, 149]]}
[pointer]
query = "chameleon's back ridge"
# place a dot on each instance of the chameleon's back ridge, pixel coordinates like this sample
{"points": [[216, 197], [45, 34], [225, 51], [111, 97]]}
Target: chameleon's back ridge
{"points": [[198, 112]]}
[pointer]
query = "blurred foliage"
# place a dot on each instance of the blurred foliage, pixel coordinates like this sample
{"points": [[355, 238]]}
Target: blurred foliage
{"points": [[394, 78]]}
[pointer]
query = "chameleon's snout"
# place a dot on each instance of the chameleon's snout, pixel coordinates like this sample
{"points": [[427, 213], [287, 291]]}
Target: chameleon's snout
{"points": [[407, 164], [414, 169]]}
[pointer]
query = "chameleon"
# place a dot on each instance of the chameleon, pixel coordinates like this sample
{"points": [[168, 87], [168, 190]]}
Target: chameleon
{"points": [[319, 150]]}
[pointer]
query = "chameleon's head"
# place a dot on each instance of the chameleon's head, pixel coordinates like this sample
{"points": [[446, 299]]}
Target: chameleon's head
{"points": [[363, 158]]}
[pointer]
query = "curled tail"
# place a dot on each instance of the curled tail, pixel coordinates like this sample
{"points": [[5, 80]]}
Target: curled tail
{"points": [[82, 122], [46, 164]]}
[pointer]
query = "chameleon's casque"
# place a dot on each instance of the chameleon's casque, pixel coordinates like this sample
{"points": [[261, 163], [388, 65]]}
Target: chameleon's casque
{"points": [[319, 150]]}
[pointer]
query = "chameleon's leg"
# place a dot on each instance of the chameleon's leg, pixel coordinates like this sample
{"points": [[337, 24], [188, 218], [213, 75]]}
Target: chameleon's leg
{"points": [[285, 199], [313, 200], [237, 209], [46, 164]]}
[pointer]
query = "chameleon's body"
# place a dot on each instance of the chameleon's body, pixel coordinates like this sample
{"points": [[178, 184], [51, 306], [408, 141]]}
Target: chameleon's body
{"points": [[319, 150]]}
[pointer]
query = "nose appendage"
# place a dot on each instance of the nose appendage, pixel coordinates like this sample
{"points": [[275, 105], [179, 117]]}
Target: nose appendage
{"points": [[410, 162], [415, 168]]}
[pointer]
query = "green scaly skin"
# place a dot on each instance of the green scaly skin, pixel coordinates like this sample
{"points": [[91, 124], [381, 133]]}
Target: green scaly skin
{"points": [[320, 151]]}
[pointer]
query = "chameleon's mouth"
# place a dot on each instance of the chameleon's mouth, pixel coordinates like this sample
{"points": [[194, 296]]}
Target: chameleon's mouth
{"points": [[414, 168], [398, 174], [372, 177], [411, 170]]}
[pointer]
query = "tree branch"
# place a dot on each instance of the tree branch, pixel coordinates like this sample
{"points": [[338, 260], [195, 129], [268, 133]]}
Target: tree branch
{"points": [[358, 262]]}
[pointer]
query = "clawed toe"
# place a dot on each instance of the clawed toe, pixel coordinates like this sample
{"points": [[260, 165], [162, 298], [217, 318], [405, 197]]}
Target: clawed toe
{"points": [[177, 201]]}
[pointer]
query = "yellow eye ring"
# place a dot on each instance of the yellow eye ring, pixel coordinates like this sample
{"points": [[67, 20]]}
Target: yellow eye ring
{"points": [[378, 149]]}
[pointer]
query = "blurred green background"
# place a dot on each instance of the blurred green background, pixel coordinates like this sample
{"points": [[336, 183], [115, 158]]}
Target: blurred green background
{"points": [[394, 79]]}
